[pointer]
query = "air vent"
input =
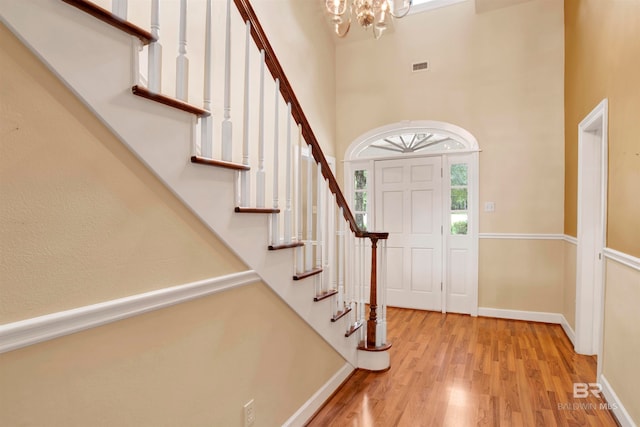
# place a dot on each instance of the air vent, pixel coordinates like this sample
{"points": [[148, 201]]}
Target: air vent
{"points": [[420, 66]]}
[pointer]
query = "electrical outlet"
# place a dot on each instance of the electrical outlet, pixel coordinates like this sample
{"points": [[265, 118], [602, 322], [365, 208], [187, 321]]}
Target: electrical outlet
{"points": [[249, 414]]}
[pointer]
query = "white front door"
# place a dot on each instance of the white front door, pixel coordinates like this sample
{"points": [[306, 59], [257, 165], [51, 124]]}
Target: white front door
{"points": [[408, 205]]}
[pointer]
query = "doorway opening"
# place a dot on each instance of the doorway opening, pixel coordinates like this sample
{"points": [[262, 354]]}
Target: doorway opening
{"points": [[418, 181], [592, 214]]}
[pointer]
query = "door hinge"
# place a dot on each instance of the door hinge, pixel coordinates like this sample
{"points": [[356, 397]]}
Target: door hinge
{"points": [[441, 173], [600, 256], [441, 230], [441, 288]]}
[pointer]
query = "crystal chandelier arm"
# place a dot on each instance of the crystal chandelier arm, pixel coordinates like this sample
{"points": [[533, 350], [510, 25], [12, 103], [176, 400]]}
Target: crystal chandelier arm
{"points": [[403, 14], [346, 30], [335, 10], [377, 32]]}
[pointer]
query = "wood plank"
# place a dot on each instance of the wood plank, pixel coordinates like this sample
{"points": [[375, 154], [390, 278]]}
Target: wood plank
{"points": [[452, 369], [169, 101], [109, 18]]}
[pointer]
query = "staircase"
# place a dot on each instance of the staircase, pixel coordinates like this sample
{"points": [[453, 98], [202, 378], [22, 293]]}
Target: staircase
{"points": [[285, 217]]}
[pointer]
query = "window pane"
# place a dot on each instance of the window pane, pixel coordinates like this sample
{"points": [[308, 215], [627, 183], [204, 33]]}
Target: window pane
{"points": [[459, 223], [459, 174], [361, 220], [360, 179], [361, 201], [458, 199]]}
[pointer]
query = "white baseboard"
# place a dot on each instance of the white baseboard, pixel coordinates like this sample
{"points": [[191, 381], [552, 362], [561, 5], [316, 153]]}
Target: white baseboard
{"points": [[310, 407], [531, 316], [522, 236], [38, 329], [616, 406], [568, 330]]}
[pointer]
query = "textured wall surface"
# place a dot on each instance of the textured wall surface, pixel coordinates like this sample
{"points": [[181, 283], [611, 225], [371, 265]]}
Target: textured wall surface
{"points": [[521, 274], [81, 219], [194, 364], [621, 338], [602, 61], [497, 74]]}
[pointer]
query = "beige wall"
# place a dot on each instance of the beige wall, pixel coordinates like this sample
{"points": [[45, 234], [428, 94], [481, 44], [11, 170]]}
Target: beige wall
{"points": [[498, 74], [194, 364], [602, 61], [81, 219], [569, 289], [621, 337], [521, 275], [307, 54]]}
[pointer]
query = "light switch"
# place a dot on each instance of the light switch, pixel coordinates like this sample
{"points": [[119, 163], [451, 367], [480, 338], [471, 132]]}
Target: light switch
{"points": [[489, 206]]}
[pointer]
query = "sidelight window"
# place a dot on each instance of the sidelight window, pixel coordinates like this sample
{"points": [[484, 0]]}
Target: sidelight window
{"points": [[360, 197], [459, 198]]}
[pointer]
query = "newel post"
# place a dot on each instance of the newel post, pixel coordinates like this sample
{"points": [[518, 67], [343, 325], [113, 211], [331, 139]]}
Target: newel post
{"points": [[376, 337], [372, 322]]}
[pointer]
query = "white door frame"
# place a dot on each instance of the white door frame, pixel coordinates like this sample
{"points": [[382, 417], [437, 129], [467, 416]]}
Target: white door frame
{"points": [[592, 217], [353, 160]]}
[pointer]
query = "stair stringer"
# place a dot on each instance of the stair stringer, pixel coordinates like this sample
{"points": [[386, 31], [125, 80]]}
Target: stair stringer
{"points": [[96, 62]]}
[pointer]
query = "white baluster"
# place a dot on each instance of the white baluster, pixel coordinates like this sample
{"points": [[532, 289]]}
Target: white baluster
{"points": [[287, 210], [333, 234], [260, 174], [341, 251], [383, 291], [136, 48], [155, 50], [363, 283], [308, 246], [326, 224], [182, 62], [300, 250], [319, 224], [244, 175], [206, 140], [275, 218], [227, 127], [119, 8]]}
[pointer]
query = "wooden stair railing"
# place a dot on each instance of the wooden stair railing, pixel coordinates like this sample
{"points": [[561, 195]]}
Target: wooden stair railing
{"points": [[371, 342], [273, 64]]}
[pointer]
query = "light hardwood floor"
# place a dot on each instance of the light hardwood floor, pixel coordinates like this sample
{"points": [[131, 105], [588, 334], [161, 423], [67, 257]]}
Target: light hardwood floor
{"points": [[456, 370]]}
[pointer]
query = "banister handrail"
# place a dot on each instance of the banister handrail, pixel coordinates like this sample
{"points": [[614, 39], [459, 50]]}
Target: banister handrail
{"points": [[260, 38]]}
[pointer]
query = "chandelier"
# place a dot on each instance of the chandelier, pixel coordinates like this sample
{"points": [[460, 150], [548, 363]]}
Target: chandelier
{"points": [[368, 13]]}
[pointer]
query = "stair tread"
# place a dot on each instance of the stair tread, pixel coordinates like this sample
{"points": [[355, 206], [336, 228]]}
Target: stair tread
{"points": [[354, 327], [325, 295], [115, 21], [285, 246], [219, 163], [169, 101], [309, 273], [240, 209], [339, 315]]}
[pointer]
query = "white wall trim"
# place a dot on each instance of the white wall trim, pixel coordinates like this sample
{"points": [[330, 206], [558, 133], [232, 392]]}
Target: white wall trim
{"points": [[568, 330], [616, 406], [530, 316], [308, 410], [38, 329], [570, 239], [622, 258], [454, 132], [522, 236]]}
